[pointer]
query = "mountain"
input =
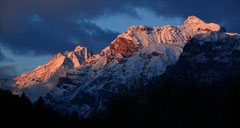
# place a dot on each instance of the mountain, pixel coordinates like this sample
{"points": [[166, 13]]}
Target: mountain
{"points": [[39, 81], [132, 60], [207, 59]]}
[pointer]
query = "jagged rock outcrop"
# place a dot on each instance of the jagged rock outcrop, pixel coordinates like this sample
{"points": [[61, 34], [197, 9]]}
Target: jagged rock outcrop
{"points": [[206, 59]]}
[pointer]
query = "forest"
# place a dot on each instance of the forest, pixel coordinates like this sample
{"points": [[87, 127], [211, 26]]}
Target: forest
{"points": [[165, 105]]}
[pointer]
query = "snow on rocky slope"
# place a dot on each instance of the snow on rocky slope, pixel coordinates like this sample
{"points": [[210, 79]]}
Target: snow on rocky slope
{"points": [[207, 58], [39, 81], [131, 60]]}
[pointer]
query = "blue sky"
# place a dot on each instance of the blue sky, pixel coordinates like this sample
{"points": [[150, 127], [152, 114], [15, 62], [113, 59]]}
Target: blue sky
{"points": [[32, 31]]}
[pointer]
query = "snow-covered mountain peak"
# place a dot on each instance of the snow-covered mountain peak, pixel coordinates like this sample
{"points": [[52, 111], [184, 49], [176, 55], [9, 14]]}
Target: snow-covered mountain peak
{"points": [[85, 82], [193, 20], [133, 59], [83, 51], [79, 55], [79, 48], [194, 24], [138, 37], [57, 56], [45, 77]]}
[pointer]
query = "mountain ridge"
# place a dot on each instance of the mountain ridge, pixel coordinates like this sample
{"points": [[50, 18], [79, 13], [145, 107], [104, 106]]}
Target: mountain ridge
{"points": [[131, 61], [45, 77], [85, 82]]}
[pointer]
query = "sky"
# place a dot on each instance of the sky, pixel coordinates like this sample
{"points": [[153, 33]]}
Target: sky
{"points": [[32, 31]]}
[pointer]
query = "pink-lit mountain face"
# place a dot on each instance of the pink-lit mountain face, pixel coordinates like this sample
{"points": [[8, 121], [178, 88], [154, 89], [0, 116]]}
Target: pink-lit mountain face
{"points": [[82, 81], [130, 62], [45, 77], [55, 68]]}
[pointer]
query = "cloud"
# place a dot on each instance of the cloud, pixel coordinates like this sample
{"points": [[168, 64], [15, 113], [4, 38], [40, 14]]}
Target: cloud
{"points": [[49, 38], [2, 57], [49, 26], [8, 71], [45, 27], [14, 12], [225, 12], [55, 10]]}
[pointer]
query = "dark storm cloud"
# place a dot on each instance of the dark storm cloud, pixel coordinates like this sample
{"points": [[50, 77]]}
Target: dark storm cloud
{"points": [[52, 32], [13, 12], [48, 26], [49, 37]]}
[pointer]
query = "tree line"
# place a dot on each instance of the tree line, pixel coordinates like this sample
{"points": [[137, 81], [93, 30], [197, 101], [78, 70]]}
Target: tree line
{"points": [[165, 104]]}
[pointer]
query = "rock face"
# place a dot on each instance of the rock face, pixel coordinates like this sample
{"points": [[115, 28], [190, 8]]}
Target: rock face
{"points": [[79, 55], [38, 82], [124, 46], [207, 58], [48, 72], [130, 62]]}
